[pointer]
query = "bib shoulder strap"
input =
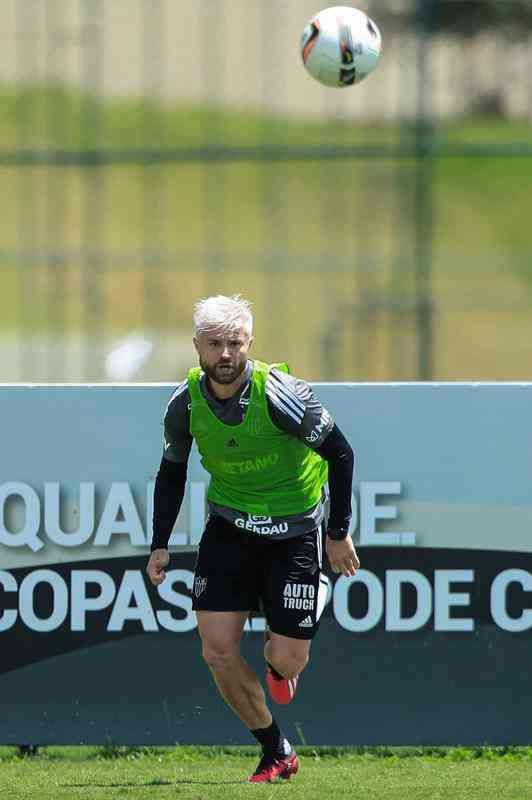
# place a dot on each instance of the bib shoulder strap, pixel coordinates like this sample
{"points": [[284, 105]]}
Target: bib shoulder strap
{"points": [[282, 366], [194, 379]]}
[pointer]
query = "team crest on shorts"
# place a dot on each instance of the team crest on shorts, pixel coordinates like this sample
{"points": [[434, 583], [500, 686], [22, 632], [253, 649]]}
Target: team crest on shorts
{"points": [[199, 585]]}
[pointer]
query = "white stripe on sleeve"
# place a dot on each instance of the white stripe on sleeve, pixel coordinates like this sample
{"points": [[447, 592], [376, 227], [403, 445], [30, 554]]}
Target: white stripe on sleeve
{"points": [[280, 404], [273, 392], [285, 390]]}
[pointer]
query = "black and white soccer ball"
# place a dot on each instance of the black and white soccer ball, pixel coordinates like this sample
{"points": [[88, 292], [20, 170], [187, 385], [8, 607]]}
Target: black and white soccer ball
{"points": [[340, 46]]}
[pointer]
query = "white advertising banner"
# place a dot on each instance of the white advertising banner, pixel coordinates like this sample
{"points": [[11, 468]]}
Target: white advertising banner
{"points": [[442, 517]]}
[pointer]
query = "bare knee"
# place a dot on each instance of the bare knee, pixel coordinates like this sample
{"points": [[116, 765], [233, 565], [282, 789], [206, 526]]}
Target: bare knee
{"points": [[220, 656], [289, 663], [220, 635]]}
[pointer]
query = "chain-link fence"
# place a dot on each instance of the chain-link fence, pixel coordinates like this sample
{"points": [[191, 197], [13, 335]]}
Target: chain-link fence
{"points": [[157, 151]]}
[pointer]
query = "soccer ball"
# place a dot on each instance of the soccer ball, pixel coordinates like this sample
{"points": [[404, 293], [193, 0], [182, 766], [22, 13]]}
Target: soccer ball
{"points": [[340, 46]]}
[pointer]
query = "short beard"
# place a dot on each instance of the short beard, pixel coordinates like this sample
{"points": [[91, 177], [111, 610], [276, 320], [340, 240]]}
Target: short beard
{"points": [[222, 379]]}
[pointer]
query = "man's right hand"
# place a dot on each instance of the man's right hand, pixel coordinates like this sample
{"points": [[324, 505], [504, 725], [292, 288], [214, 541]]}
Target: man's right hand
{"points": [[159, 559]]}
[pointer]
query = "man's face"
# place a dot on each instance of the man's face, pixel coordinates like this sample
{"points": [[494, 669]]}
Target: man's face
{"points": [[223, 354]]}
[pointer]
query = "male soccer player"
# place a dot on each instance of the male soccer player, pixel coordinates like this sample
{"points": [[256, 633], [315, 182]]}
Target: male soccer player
{"points": [[269, 447]]}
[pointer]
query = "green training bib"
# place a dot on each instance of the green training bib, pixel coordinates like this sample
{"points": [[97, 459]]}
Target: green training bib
{"points": [[254, 467]]}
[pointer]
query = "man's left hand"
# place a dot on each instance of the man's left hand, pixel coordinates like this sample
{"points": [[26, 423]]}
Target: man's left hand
{"points": [[342, 556]]}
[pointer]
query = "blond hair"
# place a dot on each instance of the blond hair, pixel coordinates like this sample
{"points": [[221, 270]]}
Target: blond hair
{"points": [[221, 313]]}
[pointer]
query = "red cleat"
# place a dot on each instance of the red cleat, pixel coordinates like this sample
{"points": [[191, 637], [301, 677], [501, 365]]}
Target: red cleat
{"points": [[282, 690], [270, 768]]}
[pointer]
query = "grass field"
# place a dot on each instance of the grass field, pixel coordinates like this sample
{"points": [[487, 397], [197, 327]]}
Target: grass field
{"points": [[204, 773], [117, 247]]}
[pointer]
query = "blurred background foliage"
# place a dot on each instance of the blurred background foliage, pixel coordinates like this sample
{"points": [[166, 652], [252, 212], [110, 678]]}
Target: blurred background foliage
{"points": [[153, 153]]}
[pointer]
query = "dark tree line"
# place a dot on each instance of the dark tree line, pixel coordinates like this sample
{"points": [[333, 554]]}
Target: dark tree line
{"points": [[467, 17]]}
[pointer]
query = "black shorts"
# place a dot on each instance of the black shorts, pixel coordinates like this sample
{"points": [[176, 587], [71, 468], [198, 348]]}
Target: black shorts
{"points": [[239, 571]]}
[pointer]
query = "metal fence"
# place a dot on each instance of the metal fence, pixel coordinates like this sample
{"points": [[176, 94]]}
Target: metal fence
{"points": [[153, 152]]}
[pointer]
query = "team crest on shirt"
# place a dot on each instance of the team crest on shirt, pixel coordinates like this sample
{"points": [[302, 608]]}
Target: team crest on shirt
{"points": [[199, 585], [257, 427]]}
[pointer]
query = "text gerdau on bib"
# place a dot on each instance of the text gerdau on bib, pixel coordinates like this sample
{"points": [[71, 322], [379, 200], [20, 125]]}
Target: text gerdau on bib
{"points": [[254, 466]]}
